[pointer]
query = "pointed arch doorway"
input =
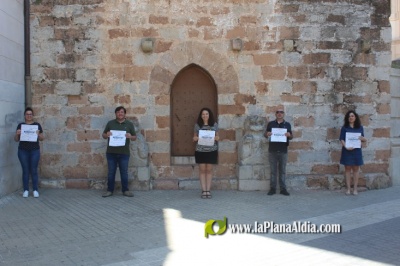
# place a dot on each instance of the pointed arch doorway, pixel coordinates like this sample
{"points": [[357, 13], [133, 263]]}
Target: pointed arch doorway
{"points": [[192, 89]]}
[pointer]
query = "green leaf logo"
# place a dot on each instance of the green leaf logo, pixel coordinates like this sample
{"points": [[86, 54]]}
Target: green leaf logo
{"points": [[208, 227]]}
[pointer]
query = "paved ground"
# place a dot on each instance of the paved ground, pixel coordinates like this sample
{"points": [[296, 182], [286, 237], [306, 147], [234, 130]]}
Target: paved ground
{"points": [[79, 227]]}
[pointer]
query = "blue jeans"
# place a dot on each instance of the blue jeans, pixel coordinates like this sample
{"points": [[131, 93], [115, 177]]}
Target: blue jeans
{"points": [[122, 161], [277, 161], [29, 161]]}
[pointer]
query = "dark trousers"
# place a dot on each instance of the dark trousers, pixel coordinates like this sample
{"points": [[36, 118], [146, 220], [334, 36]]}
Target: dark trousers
{"points": [[277, 163], [115, 160]]}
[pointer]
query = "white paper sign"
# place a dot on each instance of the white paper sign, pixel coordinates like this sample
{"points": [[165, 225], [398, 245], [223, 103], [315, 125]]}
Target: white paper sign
{"points": [[352, 140], [278, 135], [117, 138], [206, 137], [28, 133]]}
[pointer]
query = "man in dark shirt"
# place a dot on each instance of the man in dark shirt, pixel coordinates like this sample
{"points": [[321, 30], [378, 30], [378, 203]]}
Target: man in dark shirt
{"points": [[118, 155], [277, 150]]}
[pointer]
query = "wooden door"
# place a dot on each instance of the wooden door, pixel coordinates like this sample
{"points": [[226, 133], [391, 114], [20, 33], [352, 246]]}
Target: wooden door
{"points": [[193, 88]]}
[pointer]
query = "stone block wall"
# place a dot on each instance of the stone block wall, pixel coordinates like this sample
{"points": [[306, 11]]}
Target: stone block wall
{"points": [[317, 58]]}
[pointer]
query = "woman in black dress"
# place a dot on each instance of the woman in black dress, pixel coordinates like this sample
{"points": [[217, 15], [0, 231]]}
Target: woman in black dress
{"points": [[206, 156], [351, 157]]}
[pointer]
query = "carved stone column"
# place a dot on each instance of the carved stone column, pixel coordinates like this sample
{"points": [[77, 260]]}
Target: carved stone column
{"points": [[253, 166]]}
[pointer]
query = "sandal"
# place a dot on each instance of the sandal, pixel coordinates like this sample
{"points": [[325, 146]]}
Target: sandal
{"points": [[204, 194], [208, 195]]}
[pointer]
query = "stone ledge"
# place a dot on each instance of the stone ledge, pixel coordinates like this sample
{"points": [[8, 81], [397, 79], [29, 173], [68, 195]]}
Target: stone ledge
{"points": [[253, 185], [337, 182], [183, 160], [329, 182], [217, 184], [133, 184]]}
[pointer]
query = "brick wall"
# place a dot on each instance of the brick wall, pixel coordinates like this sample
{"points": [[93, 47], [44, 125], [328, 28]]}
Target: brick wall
{"points": [[318, 59]]}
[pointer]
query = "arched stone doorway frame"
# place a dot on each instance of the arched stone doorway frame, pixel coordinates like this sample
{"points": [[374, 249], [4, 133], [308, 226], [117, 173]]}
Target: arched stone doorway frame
{"points": [[192, 89], [187, 53]]}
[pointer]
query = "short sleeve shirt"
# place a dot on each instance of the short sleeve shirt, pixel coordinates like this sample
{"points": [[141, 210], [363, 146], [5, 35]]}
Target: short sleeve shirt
{"points": [[279, 146], [28, 145], [124, 126], [202, 148]]}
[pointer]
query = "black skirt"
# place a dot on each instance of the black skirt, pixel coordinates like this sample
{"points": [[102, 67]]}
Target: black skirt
{"points": [[206, 157]]}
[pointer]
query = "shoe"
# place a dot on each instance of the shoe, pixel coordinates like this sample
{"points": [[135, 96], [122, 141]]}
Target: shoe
{"points": [[25, 194], [203, 194], [348, 192], [284, 192], [355, 192], [208, 194], [272, 191], [107, 194], [127, 193], [35, 194]]}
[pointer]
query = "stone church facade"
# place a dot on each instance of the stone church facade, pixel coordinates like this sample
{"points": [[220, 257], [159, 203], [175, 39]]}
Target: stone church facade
{"points": [[164, 60]]}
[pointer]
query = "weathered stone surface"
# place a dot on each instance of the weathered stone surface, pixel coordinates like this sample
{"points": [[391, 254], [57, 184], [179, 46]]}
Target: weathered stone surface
{"points": [[378, 181], [318, 182], [315, 58], [253, 146], [251, 185], [139, 151]]}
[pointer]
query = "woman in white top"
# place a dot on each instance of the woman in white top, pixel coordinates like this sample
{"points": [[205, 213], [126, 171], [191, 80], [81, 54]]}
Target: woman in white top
{"points": [[206, 156]]}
